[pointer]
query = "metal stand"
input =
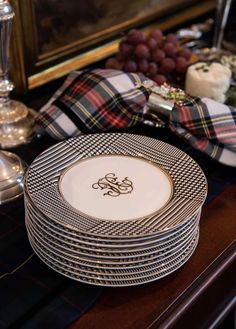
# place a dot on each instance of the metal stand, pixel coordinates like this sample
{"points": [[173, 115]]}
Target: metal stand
{"points": [[216, 51], [16, 120], [12, 170]]}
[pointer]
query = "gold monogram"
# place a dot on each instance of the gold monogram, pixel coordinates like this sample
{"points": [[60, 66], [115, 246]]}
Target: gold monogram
{"points": [[115, 188]]}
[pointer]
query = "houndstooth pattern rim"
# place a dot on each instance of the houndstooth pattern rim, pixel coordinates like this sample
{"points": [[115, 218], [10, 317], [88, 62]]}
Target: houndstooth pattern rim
{"points": [[190, 185]]}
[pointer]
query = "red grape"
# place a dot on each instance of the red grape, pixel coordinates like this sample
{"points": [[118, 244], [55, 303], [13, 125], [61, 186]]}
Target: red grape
{"points": [[157, 35], [158, 55], [159, 79], [170, 49], [152, 69], [126, 50], [119, 57], [185, 52], [151, 43], [113, 63], [134, 37], [143, 65], [167, 65], [181, 64], [142, 51], [172, 38], [130, 66]]}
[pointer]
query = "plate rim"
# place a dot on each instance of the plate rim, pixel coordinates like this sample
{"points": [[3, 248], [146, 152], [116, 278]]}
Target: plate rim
{"points": [[112, 239], [127, 282], [111, 233], [119, 244]]}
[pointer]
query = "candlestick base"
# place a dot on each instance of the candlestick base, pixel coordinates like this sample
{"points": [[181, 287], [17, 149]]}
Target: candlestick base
{"points": [[12, 170], [16, 124]]}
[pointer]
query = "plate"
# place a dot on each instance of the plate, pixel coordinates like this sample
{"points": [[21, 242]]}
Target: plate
{"points": [[109, 266], [42, 225], [71, 233], [106, 254], [107, 258], [118, 281], [189, 186], [121, 271]]}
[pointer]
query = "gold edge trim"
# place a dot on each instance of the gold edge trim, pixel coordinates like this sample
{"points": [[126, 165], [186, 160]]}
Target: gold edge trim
{"points": [[74, 63], [86, 158]]}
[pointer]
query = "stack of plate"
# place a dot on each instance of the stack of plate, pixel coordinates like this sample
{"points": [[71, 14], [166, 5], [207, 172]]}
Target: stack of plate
{"points": [[114, 209]]}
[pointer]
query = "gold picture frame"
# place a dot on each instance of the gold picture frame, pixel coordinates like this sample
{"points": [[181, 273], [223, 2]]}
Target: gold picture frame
{"points": [[40, 52]]}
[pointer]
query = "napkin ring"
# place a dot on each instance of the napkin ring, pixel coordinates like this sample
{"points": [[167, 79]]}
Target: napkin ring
{"points": [[162, 99]]}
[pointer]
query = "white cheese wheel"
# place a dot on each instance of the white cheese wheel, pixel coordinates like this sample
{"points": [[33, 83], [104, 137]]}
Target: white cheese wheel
{"points": [[208, 80]]}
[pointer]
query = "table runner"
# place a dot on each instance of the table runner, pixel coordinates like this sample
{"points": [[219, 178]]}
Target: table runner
{"points": [[37, 297]]}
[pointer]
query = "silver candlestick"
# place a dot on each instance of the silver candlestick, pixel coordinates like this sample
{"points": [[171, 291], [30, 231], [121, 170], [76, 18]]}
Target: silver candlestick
{"points": [[216, 51], [12, 170], [222, 13], [16, 120]]}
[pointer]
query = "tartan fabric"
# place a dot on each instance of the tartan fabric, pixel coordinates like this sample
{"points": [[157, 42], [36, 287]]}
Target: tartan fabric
{"points": [[92, 101], [110, 100], [208, 126], [52, 120]]}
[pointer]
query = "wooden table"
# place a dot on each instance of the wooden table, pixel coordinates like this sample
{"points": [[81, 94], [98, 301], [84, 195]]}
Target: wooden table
{"points": [[199, 295]]}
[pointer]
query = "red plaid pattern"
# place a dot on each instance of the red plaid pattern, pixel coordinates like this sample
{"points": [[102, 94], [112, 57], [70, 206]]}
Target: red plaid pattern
{"points": [[98, 100], [208, 126], [109, 100]]}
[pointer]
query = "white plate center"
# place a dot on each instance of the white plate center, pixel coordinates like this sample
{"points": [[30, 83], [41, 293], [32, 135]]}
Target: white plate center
{"points": [[116, 187]]}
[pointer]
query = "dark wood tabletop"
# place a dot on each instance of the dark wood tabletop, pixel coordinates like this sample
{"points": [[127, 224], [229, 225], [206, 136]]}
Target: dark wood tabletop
{"points": [[198, 295]]}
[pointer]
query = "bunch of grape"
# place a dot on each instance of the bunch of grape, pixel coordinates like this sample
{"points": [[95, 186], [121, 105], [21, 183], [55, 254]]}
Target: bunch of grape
{"points": [[159, 57]]}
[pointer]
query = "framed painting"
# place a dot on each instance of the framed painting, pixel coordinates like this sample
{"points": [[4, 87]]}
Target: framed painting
{"points": [[52, 37]]}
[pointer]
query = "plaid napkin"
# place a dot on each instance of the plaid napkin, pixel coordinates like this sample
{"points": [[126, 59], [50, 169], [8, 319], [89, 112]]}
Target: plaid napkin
{"points": [[109, 100], [208, 126], [93, 101]]}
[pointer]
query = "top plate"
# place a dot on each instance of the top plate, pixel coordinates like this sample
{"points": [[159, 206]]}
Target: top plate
{"points": [[116, 185]]}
